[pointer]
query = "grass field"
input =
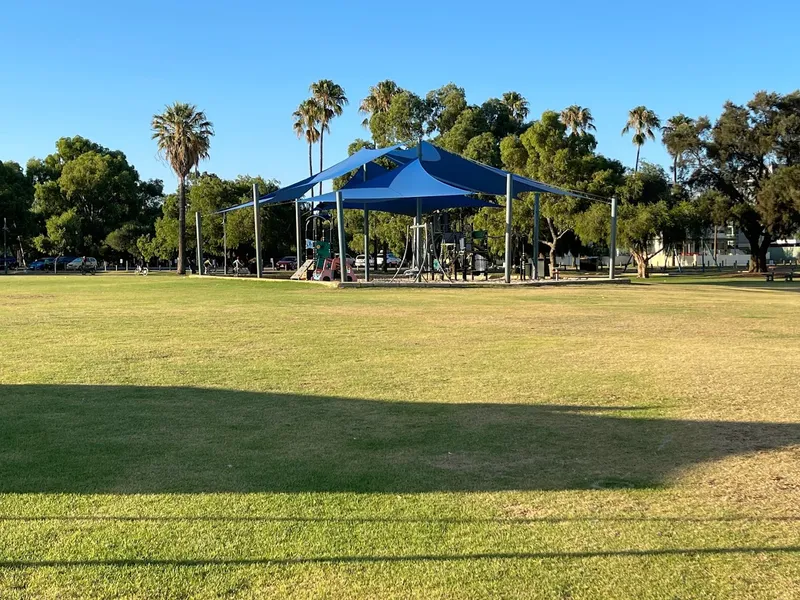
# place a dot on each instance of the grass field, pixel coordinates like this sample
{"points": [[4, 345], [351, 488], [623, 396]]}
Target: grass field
{"points": [[164, 437]]}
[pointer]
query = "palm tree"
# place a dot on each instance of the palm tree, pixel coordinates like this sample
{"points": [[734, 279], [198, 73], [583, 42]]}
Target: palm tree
{"points": [[332, 100], [643, 121], [306, 118], [578, 119], [183, 134], [517, 106], [671, 138], [379, 99]]}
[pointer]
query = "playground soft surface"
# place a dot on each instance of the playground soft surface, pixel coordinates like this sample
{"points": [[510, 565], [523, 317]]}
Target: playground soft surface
{"points": [[164, 437]]}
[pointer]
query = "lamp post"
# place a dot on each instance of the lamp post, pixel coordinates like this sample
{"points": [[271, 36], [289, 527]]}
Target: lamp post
{"points": [[536, 273], [257, 226], [199, 231], [612, 258], [5, 246], [225, 243]]}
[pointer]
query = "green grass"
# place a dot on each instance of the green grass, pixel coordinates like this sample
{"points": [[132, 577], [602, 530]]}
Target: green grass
{"points": [[164, 437]]}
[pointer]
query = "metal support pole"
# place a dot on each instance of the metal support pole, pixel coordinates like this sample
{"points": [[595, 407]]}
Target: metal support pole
{"points": [[257, 225], [301, 246], [5, 246], [417, 236], [199, 231], [418, 253], [342, 245], [366, 231], [536, 236], [509, 200], [366, 244], [224, 243], [612, 251]]}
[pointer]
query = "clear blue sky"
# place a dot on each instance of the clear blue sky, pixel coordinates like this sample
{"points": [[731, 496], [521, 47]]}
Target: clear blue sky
{"points": [[101, 69]]}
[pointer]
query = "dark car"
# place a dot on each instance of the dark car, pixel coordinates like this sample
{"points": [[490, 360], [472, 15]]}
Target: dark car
{"points": [[59, 264], [8, 260], [39, 264], [287, 262]]}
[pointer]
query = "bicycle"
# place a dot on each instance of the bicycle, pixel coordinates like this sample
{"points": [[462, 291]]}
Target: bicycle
{"points": [[142, 270]]}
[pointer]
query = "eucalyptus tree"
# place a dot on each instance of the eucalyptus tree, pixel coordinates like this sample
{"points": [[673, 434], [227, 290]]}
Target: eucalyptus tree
{"points": [[444, 104], [183, 135], [332, 99], [751, 157], [643, 122]]}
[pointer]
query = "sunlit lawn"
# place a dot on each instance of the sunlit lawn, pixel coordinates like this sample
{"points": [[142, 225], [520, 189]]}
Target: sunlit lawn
{"points": [[164, 437]]}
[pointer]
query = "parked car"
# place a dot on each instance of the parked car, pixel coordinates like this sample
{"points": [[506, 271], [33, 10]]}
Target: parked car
{"points": [[392, 261], [60, 263], [287, 262], [75, 265], [8, 260], [37, 265]]}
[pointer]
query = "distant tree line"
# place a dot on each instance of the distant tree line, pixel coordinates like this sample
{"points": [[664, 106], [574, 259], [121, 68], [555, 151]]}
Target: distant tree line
{"points": [[85, 199], [741, 169]]}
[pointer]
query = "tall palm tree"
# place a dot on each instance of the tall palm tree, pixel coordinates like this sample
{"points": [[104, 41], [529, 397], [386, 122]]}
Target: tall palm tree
{"points": [[672, 139], [643, 121], [183, 135], [378, 100], [332, 100], [306, 119], [517, 106], [578, 119]]}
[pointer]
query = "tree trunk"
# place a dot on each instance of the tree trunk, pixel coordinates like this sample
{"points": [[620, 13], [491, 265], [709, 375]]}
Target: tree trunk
{"points": [[638, 149], [762, 252], [310, 167], [675, 170], [321, 138], [642, 266], [715, 243], [374, 257], [385, 252], [181, 225], [758, 252], [552, 245]]}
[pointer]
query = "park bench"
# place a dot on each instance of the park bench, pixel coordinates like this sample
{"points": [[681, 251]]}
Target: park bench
{"points": [[787, 274]]}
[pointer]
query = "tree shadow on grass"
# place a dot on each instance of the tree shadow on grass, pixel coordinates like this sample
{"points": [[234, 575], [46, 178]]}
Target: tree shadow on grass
{"points": [[739, 283], [93, 439], [391, 558]]}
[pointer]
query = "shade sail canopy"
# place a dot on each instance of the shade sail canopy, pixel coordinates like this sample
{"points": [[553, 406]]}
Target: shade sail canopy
{"points": [[409, 206], [297, 190], [398, 190], [442, 167], [470, 175], [407, 181]]}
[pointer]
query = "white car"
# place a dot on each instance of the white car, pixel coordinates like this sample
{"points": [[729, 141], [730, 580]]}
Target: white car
{"points": [[75, 265], [361, 261], [391, 260]]}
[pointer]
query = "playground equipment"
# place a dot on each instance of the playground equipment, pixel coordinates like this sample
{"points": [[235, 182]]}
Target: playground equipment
{"points": [[329, 270]]}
